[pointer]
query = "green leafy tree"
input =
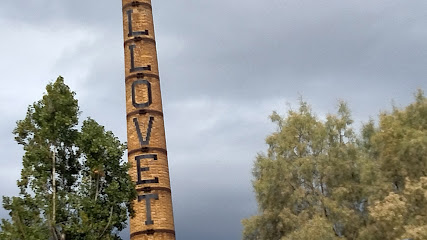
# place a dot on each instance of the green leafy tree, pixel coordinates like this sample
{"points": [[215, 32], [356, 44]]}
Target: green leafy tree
{"points": [[319, 180], [73, 184], [401, 143], [398, 148], [317, 228], [309, 179], [400, 216]]}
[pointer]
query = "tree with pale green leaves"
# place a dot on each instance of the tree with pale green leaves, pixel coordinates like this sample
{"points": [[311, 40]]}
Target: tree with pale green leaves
{"points": [[319, 180], [400, 216], [74, 183], [398, 149], [309, 179]]}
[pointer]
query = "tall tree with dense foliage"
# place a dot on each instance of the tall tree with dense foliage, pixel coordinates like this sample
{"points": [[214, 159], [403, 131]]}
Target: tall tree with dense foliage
{"points": [[319, 180], [398, 148], [74, 184], [309, 180]]}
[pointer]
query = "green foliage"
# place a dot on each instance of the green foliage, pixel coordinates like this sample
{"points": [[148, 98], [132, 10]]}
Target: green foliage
{"points": [[74, 184], [400, 216], [319, 180], [26, 220], [308, 178], [399, 149], [317, 228], [401, 143]]}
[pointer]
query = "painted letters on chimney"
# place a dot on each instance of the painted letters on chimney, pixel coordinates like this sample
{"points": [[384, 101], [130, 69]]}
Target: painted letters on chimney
{"points": [[147, 152]]}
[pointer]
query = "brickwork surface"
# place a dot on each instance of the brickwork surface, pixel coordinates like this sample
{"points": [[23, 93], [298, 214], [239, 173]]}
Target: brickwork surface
{"points": [[146, 140]]}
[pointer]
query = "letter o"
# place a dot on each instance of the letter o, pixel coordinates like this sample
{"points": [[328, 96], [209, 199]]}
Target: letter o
{"points": [[144, 104]]}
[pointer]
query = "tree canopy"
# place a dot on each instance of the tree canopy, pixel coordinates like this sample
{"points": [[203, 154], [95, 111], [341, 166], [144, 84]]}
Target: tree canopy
{"points": [[74, 183], [321, 180]]}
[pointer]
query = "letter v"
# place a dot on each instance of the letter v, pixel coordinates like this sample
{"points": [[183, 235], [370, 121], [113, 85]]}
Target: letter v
{"points": [[138, 131]]}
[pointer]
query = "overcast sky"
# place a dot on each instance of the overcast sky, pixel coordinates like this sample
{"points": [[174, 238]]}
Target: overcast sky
{"points": [[225, 65]]}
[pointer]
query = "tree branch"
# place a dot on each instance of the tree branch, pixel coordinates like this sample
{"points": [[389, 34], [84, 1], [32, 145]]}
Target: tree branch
{"points": [[108, 224]]}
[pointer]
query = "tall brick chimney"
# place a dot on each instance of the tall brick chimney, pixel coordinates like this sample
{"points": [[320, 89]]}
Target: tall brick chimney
{"points": [[145, 126]]}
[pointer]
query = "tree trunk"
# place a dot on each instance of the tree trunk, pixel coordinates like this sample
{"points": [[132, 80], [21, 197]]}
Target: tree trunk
{"points": [[54, 194]]}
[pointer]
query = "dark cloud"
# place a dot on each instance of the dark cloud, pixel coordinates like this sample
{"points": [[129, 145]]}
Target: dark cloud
{"points": [[224, 66], [245, 51], [56, 12]]}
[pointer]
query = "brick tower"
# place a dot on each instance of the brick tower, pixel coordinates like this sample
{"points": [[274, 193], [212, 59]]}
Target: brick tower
{"points": [[145, 126]]}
